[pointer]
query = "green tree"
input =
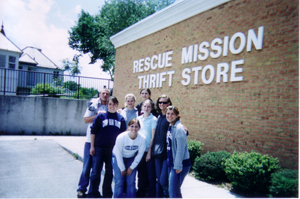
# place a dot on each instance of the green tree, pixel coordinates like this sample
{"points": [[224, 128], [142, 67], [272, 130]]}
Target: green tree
{"points": [[91, 33], [72, 66]]}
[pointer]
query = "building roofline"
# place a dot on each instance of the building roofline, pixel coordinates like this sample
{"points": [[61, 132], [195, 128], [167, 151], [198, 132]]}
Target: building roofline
{"points": [[164, 18], [20, 51], [40, 50]]}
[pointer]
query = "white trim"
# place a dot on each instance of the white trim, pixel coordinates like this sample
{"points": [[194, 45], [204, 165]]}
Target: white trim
{"points": [[166, 17]]}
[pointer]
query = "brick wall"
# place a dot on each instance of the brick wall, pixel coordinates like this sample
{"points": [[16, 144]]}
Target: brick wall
{"points": [[259, 113]]}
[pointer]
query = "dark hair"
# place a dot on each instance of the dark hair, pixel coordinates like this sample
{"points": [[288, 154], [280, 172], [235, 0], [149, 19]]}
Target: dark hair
{"points": [[134, 120], [113, 99], [147, 89], [176, 111], [157, 102]]}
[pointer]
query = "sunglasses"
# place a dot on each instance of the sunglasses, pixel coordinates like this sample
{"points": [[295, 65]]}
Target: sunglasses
{"points": [[163, 102]]}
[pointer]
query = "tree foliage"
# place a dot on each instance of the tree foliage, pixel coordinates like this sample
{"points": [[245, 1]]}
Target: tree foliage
{"points": [[92, 34], [72, 66]]}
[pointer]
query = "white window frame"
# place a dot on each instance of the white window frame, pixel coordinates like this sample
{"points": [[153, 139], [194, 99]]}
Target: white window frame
{"points": [[3, 61], [12, 63]]}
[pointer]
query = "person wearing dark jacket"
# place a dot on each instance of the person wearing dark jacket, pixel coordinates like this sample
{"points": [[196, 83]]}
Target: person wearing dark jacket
{"points": [[159, 147], [146, 94], [104, 131]]}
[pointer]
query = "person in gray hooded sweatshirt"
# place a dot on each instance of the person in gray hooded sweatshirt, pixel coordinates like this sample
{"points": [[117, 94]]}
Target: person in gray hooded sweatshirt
{"points": [[178, 154]]}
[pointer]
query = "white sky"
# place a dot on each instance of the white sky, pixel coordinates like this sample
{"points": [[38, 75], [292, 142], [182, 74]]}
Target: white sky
{"points": [[45, 24]]}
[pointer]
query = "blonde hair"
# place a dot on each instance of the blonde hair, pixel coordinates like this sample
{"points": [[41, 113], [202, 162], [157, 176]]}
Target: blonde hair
{"points": [[151, 103], [127, 96]]}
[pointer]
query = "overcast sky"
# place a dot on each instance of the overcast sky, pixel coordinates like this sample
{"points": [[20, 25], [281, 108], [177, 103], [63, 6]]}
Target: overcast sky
{"points": [[45, 24]]}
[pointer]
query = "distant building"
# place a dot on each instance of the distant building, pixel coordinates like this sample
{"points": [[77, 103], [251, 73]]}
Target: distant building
{"points": [[29, 59]]}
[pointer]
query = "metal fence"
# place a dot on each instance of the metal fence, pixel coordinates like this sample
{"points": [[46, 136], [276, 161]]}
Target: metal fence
{"points": [[20, 82]]}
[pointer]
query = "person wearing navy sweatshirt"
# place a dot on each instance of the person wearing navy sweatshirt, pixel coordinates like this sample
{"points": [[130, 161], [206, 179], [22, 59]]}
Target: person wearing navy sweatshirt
{"points": [[104, 131]]}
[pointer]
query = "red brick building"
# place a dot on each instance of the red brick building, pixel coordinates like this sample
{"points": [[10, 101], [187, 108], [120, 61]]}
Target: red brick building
{"points": [[230, 66]]}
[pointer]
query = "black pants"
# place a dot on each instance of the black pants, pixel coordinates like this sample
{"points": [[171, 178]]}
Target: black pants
{"points": [[146, 178]]}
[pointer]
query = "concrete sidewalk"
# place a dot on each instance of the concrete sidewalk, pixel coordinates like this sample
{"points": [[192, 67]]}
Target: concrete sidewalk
{"points": [[191, 187]]}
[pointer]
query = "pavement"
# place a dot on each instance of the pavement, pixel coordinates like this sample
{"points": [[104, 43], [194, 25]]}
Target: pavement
{"points": [[42, 167]]}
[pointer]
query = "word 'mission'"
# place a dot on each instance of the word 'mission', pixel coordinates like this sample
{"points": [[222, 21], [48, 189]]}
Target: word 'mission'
{"points": [[216, 48]]}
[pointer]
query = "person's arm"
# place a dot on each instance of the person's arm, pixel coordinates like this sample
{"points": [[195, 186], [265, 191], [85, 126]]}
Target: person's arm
{"points": [[95, 128], [123, 126], [92, 150], [117, 151], [141, 151], [180, 139], [89, 119], [148, 157], [153, 127], [186, 130]]}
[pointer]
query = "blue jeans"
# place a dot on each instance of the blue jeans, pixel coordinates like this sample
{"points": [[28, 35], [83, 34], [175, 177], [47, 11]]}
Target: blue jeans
{"points": [[176, 180], [86, 169], [102, 155], [162, 175], [119, 180], [146, 177]]}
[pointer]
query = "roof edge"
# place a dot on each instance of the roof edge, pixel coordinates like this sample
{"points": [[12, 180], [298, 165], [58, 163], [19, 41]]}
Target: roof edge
{"points": [[40, 51], [164, 18]]}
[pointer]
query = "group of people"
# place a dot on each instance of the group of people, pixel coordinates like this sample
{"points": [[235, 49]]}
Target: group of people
{"points": [[147, 141]]}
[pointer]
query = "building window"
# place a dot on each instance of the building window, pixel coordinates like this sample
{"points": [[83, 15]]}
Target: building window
{"points": [[55, 74], [2, 61], [12, 62]]}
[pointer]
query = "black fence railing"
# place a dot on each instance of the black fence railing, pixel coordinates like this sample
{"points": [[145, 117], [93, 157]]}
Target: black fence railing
{"points": [[20, 82]]}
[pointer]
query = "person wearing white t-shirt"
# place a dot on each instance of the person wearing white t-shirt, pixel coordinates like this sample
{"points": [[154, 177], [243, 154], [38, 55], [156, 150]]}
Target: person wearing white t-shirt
{"points": [[95, 107], [127, 153]]}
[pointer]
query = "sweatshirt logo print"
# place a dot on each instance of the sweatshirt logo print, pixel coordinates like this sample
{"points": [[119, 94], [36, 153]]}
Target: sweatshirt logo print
{"points": [[134, 147], [111, 122], [169, 140]]}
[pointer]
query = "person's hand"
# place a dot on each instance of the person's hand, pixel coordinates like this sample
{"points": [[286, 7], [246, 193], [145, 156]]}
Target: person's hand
{"points": [[119, 110], [178, 171], [184, 127], [101, 112], [129, 171], [123, 173], [148, 157], [92, 151]]}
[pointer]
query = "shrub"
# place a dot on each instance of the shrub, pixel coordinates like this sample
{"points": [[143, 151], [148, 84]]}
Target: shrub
{"points": [[284, 183], [209, 166], [71, 85], [46, 89], [195, 148], [250, 171], [86, 93], [76, 156]]}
